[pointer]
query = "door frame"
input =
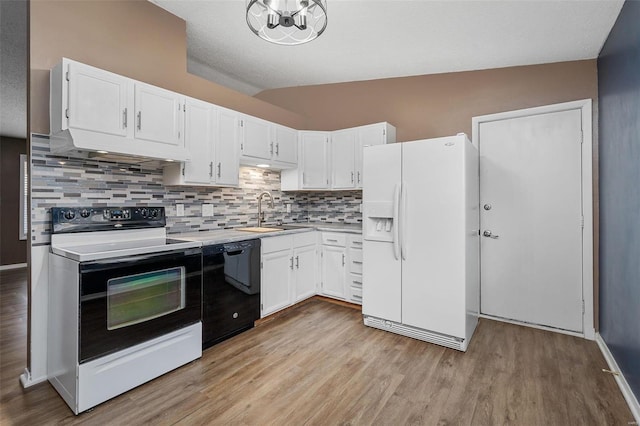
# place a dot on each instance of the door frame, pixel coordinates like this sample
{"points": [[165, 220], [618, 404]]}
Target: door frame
{"points": [[585, 107]]}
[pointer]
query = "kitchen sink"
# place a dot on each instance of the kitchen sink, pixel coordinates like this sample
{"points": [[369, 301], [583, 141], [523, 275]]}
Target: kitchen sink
{"points": [[259, 229], [275, 228]]}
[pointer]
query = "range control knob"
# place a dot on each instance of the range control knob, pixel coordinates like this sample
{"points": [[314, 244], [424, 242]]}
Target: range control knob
{"points": [[85, 213], [143, 212], [69, 214], [155, 213]]}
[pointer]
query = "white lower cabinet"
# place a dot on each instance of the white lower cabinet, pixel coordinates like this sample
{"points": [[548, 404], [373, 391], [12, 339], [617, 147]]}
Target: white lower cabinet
{"points": [[333, 261], [292, 268], [288, 270], [275, 288], [305, 272]]}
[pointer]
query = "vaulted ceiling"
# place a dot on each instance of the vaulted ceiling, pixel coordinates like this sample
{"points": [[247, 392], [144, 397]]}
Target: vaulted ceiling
{"points": [[372, 39]]}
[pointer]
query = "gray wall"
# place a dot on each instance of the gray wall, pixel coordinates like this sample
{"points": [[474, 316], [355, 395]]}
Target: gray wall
{"points": [[12, 249], [619, 95]]}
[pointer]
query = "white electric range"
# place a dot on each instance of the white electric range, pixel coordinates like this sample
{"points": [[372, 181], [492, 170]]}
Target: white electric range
{"points": [[124, 301]]}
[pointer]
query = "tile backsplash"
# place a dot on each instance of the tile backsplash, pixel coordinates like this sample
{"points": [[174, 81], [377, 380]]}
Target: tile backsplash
{"points": [[58, 181]]}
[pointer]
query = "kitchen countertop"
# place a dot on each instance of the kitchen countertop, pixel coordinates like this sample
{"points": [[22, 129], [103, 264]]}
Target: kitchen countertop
{"points": [[231, 235]]}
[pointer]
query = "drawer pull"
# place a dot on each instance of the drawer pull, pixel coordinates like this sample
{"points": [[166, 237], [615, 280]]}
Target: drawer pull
{"points": [[357, 282], [356, 296], [333, 241], [357, 262], [357, 242]]}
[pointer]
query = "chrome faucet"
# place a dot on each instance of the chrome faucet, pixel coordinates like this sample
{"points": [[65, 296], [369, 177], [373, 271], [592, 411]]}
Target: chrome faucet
{"points": [[260, 212]]}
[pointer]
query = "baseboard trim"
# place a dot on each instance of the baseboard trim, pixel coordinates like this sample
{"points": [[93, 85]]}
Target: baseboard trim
{"points": [[539, 327], [13, 266], [631, 399]]}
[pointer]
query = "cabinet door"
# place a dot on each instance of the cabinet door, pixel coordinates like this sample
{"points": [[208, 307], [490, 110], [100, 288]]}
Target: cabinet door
{"points": [[286, 145], [305, 272], [227, 160], [314, 160], [374, 134], [275, 291], [159, 115], [333, 271], [256, 138], [198, 136], [99, 100], [343, 143]]}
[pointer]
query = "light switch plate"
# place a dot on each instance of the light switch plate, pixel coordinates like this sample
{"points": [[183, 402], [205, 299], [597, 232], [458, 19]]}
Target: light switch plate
{"points": [[207, 210], [179, 210], [288, 208]]}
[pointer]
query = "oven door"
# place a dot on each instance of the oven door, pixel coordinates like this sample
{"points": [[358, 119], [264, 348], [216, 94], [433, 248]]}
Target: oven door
{"points": [[129, 300]]}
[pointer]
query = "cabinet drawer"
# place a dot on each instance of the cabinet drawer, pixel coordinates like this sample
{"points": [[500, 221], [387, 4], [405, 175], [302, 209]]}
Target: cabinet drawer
{"points": [[334, 239], [355, 281], [273, 244], [355, 295], [355, 261], [304, 239], [355, 241]]}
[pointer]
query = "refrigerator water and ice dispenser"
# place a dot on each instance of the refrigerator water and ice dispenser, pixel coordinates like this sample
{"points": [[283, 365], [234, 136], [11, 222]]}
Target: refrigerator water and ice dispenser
{"points": [[380, 221]]}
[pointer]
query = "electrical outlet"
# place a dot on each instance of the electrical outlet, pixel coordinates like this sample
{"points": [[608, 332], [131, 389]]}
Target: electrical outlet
{"points": [[360, 207], [179, 210], [288, 208], [207, 210]]}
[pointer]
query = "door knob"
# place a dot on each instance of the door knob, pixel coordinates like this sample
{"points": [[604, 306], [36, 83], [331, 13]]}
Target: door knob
{"points": [[488, 233], [487, 207]]}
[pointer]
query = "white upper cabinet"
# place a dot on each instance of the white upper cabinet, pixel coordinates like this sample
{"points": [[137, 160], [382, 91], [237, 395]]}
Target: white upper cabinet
{"points": [[314, 160], [98, 101], [341, 163], [227, 158], [373, 134], [263, 142], [96, 110], [199, 141], [159, 115], [285, 145], [255, 140], [343, 149], [211, 136]]}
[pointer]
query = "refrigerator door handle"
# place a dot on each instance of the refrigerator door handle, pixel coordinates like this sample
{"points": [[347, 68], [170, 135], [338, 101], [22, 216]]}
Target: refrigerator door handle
{"points": [[396, 232], [403, 221]]}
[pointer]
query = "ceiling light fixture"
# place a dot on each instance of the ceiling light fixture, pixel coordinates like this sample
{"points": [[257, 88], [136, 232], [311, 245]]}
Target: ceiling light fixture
{"points": [[287, 22]]}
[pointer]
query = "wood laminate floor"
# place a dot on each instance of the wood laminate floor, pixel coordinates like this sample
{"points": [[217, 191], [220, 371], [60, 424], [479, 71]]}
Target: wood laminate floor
{"points": [[318, 364]]}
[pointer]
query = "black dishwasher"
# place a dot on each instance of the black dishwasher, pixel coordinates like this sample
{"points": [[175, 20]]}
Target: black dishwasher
{"points": [[230, 289]]}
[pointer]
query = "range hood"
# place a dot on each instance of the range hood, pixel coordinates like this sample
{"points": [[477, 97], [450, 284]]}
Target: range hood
{"points": [[89, 144]]}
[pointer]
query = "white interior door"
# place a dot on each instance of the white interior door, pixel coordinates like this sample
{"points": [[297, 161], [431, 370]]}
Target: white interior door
{"points": [[531, 219]]}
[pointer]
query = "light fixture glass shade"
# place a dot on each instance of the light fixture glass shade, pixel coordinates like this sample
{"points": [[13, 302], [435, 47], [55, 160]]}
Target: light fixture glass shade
{"points": [[287, 22]]}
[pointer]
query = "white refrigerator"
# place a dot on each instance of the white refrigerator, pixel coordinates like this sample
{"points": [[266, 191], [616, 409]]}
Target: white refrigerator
{"points": [[421, 239]]}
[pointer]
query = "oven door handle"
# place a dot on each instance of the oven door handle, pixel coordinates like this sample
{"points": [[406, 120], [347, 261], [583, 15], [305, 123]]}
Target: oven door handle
{"points": [[95, 265]]}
